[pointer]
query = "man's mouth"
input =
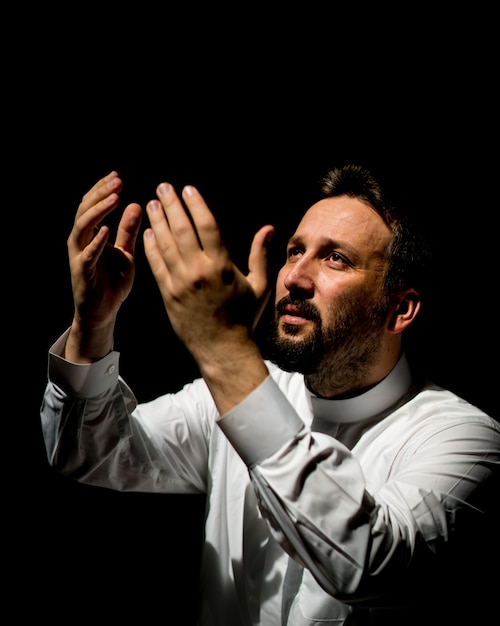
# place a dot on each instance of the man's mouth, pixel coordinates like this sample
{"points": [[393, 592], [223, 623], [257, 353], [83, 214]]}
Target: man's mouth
{"points": [[292, 314]]}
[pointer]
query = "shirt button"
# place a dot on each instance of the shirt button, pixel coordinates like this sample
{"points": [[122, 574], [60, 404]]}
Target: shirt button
{"points": [[110, 369]]}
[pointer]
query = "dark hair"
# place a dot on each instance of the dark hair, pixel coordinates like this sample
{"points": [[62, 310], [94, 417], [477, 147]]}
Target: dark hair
{"points": [[409, 252]]}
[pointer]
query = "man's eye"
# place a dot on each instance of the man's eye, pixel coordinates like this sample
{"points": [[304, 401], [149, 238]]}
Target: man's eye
{"points": [[294, 252], [337, 258]]}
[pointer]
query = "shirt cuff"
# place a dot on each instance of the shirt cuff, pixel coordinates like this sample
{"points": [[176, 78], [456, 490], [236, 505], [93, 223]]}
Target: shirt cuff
{"points": [[261, 424], [82, 380]]}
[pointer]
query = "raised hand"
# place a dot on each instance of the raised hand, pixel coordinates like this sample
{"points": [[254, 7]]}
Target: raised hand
{"points": [[212, 306], [102, 273]]}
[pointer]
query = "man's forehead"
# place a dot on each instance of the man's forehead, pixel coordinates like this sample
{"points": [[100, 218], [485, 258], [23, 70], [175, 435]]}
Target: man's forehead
{"points": [[332, 217]]}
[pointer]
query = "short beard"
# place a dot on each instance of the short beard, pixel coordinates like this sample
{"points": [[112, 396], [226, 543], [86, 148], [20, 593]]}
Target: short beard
{"points": [[336, 358]]}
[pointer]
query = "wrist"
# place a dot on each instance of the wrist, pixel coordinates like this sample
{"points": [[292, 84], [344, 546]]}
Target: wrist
{"points": [[87, 345], [232, 372]]}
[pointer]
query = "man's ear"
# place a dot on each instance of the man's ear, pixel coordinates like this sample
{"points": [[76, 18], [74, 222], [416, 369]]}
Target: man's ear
{"points": [[405, 312]]}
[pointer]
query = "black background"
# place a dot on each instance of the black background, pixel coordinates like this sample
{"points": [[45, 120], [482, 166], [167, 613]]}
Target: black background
{"points": [[252, 107]]}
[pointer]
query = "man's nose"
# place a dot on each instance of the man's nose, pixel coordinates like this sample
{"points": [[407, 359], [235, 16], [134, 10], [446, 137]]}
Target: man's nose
{"points": [[299, 276]]}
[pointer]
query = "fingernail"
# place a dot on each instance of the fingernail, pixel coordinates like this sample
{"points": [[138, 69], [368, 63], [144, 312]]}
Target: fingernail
{"points": [[164, 189], [153, 206]]}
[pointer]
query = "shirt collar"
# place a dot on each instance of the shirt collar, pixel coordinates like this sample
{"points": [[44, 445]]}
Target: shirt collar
{"points": [[376, 400]]}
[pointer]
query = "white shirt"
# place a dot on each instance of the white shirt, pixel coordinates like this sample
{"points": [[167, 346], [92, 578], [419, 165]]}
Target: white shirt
{"points": [[406, 483]]}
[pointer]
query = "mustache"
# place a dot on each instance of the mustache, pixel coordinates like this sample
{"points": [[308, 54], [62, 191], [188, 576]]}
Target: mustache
{"points": [[304, 308]]}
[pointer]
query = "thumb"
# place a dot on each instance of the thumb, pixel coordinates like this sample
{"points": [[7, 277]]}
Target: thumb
{"points": [[258, 268], [257, 261]]}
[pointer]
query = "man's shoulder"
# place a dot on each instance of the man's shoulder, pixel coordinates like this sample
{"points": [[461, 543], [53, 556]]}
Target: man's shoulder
{"points": [[437, 402]]}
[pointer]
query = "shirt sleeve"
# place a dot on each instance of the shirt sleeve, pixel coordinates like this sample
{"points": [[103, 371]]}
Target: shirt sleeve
{"points": [[357, 544], [95, 431]]}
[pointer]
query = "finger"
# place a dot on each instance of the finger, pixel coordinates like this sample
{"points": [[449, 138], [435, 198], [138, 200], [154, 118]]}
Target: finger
{"points": [[155, 258], [91, 253], [128, 228], [258, 268], [96, 204], [160, 245], [205, 224], [164, 239], [110, 184], [87, 224], [181, 228]]}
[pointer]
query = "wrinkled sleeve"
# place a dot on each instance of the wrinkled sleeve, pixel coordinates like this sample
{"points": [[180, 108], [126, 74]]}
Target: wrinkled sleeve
{"points": [[95, 431], [312, 490]]}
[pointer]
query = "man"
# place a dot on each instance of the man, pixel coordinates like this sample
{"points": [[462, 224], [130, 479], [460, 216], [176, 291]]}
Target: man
{"points": [[341, 487]]}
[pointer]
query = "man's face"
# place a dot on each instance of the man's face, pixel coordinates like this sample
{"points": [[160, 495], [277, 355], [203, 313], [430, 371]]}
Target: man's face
{"points": [[330, 306]]}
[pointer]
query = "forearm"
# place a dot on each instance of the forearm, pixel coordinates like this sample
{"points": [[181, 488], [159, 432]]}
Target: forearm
{"points": [[84, 413], [232, 372], [95, 432], [313, 495]]}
